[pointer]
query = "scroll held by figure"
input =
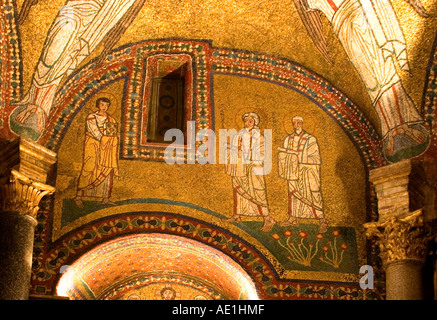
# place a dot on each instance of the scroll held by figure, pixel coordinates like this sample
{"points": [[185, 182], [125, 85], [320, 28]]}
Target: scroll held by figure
{"points": [[299, 163], [100, 158], [245, 166], [371, 35]]}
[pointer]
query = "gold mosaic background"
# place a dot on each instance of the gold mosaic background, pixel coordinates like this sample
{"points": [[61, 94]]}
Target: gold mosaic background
{"points": [[207, 185], [268, 26]]}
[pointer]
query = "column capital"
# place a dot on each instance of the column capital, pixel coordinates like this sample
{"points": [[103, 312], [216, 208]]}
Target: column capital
{"points": [[401, 238], [21, 194], [26, 157], [24, 168]]}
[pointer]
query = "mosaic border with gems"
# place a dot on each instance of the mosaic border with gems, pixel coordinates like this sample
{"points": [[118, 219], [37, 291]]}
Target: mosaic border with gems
{"points": [[429, 100], [208, 61], [49, 258], [131, 142], [10, 59], [289, 74], [75, 92], [142, 280], [128, 62]]}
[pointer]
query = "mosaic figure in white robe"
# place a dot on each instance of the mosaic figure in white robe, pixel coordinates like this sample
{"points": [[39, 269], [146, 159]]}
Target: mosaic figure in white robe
{"points": [[299, 163], [76, 31], [373, 40], [245, 165]]}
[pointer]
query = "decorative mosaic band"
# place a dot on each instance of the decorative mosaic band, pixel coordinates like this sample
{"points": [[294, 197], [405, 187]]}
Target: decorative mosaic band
{"points": [[48, 259], [289, 74], [128, 61], [10, 59], [144, 280], [429, 100]]}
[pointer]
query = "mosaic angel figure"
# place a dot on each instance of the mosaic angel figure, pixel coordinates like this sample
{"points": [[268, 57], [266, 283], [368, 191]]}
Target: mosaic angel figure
{"points": [[373, 40], [77, 30]]}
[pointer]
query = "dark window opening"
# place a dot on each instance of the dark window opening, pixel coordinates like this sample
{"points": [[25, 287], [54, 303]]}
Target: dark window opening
{"points": [[167, 105]]}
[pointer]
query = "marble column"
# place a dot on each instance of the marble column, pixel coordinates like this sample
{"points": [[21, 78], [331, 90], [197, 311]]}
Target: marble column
{"points": [[402, 236], [24, 166]]}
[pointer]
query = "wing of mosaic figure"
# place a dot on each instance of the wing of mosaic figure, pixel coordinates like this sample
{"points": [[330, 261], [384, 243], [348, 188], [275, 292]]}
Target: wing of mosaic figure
{"points": [[313, 24], [418, 7]]}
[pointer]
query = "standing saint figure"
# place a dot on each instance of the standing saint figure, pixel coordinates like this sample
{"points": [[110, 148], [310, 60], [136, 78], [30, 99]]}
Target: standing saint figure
{"points": [[299, 164], [77, 30], [370, 33], [100, 159], [245, 166]]}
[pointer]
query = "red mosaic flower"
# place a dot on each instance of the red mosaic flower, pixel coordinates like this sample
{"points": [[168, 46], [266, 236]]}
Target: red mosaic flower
{"points": [[319, 236], [336, 233], [303, 234], [276, 236], [325, 248], [288, 233], [343, 246]]}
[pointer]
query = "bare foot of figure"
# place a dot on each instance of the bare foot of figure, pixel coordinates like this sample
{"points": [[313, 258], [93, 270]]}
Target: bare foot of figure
{"points": [[234, 218], [418, 136], [324, 223], [269, 222], [78, 202], [292, 221], [108, 202], [28, 111]]}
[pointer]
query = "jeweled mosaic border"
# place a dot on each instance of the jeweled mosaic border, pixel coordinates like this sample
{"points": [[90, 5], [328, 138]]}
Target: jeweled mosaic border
{"points": [[128, 60], [49, 258], [291, 75], [140, 281], [10, 60], [429, 99], [76, 91]]}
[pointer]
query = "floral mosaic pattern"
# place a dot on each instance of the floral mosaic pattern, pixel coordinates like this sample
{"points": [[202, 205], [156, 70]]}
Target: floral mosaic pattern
{"points": [[303, 251], [49, 258]]}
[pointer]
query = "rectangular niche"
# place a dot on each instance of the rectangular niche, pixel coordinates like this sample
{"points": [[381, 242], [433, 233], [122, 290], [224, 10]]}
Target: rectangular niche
{"points": [[167, 97], [168, 84]]}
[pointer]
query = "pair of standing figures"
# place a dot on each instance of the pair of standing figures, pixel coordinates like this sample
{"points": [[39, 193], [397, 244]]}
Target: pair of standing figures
{"points": [[299, 163]]}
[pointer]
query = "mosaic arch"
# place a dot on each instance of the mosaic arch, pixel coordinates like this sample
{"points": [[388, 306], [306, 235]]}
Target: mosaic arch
{"points": [[156, 266], [50, 259], [128, 63]]}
